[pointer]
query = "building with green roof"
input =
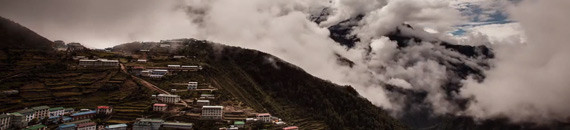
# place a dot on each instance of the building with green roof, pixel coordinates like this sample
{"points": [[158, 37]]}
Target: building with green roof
{"points": [[56, 111], [28, 114], [41, 112], [36, 127], [177, 125], [239, 124], [18, 120]]}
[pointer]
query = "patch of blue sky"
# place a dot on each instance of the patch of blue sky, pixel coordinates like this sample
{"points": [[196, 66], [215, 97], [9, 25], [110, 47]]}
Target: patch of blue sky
{"points": [[479, 17]]}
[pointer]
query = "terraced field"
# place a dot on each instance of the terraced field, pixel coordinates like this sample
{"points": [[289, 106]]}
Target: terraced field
{"points": [[70, 88]]}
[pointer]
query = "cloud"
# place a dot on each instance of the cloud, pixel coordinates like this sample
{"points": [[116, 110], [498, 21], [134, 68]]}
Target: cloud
{"points": [[101, 23], [529, 83], [283, 28]]}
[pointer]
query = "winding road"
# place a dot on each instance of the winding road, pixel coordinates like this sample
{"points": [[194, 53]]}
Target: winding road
{"points": [[149, 85]]}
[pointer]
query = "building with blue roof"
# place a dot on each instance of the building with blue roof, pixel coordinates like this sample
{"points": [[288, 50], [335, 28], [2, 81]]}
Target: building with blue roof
{"points": [[83, 115], [67, 127]]}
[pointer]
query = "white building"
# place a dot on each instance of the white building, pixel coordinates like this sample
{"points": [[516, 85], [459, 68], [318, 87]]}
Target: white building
{"points": [[173, 66], [159, 107], [192, 85], [116, 127], [158, 72], [5, 121], [178, 57], [191, 67], [202, 102], [41, 112], [264, 117], [207, 96], [212, 112], [57, 111], [168, 98], [28, 114], [98, 63], [156, 76], [147, 124]]}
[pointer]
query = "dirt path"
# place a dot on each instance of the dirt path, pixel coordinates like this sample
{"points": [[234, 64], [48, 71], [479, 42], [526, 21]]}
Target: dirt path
{"points": [[149, 85]]}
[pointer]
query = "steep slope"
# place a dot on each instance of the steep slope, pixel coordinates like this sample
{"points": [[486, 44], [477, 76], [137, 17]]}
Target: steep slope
{"points": [[267, 84], [292, 93], [16, 36], [35, 74]]}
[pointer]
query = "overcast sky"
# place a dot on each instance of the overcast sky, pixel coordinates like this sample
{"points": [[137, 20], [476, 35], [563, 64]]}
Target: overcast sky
{"points": [[100, 23]]}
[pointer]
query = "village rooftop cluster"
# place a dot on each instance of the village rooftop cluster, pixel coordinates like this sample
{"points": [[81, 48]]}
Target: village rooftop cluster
{"points": [[204, 107]]}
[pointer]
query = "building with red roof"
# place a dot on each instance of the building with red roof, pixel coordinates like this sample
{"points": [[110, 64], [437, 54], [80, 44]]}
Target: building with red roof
{"points": [[104, 110], [159, 107], [87, 126], [291, 128], [265, 117]]}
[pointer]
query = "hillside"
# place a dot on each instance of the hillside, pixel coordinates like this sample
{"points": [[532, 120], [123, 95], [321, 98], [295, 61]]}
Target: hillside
{"points": [[33, 74], [42, 76], [267, 84], [16, 36]]}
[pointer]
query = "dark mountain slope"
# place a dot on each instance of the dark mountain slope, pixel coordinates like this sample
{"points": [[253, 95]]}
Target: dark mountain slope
{"points": [[41, 76], [268, 84], [16, 36]]}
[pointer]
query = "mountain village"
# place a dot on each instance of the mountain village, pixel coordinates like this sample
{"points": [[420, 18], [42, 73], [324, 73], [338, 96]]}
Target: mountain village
{"points": [[197, 100]]}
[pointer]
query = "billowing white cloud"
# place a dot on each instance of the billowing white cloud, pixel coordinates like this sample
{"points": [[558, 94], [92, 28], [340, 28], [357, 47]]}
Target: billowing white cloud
{"points": [[529, 82]]}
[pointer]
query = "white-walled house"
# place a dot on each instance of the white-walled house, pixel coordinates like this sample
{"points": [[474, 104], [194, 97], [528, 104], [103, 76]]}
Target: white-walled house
{"points": [[57, 111], [168, 98], [192, 85], [212, 112]]}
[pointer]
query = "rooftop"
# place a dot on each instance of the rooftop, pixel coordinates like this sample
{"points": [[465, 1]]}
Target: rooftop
{"points": [[83, 113], [206, 95], [290, 128], [67, 125], [151, 120], [263, 114], [239, 123], [54, 117], [40, 107], [178, 123], [202, 100], [160, 105], [166, 95], [35, 127], [16, 114], [56, 108], [103, 107], [25, 111], [116, 126], [213, 107], [86, 124]]}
